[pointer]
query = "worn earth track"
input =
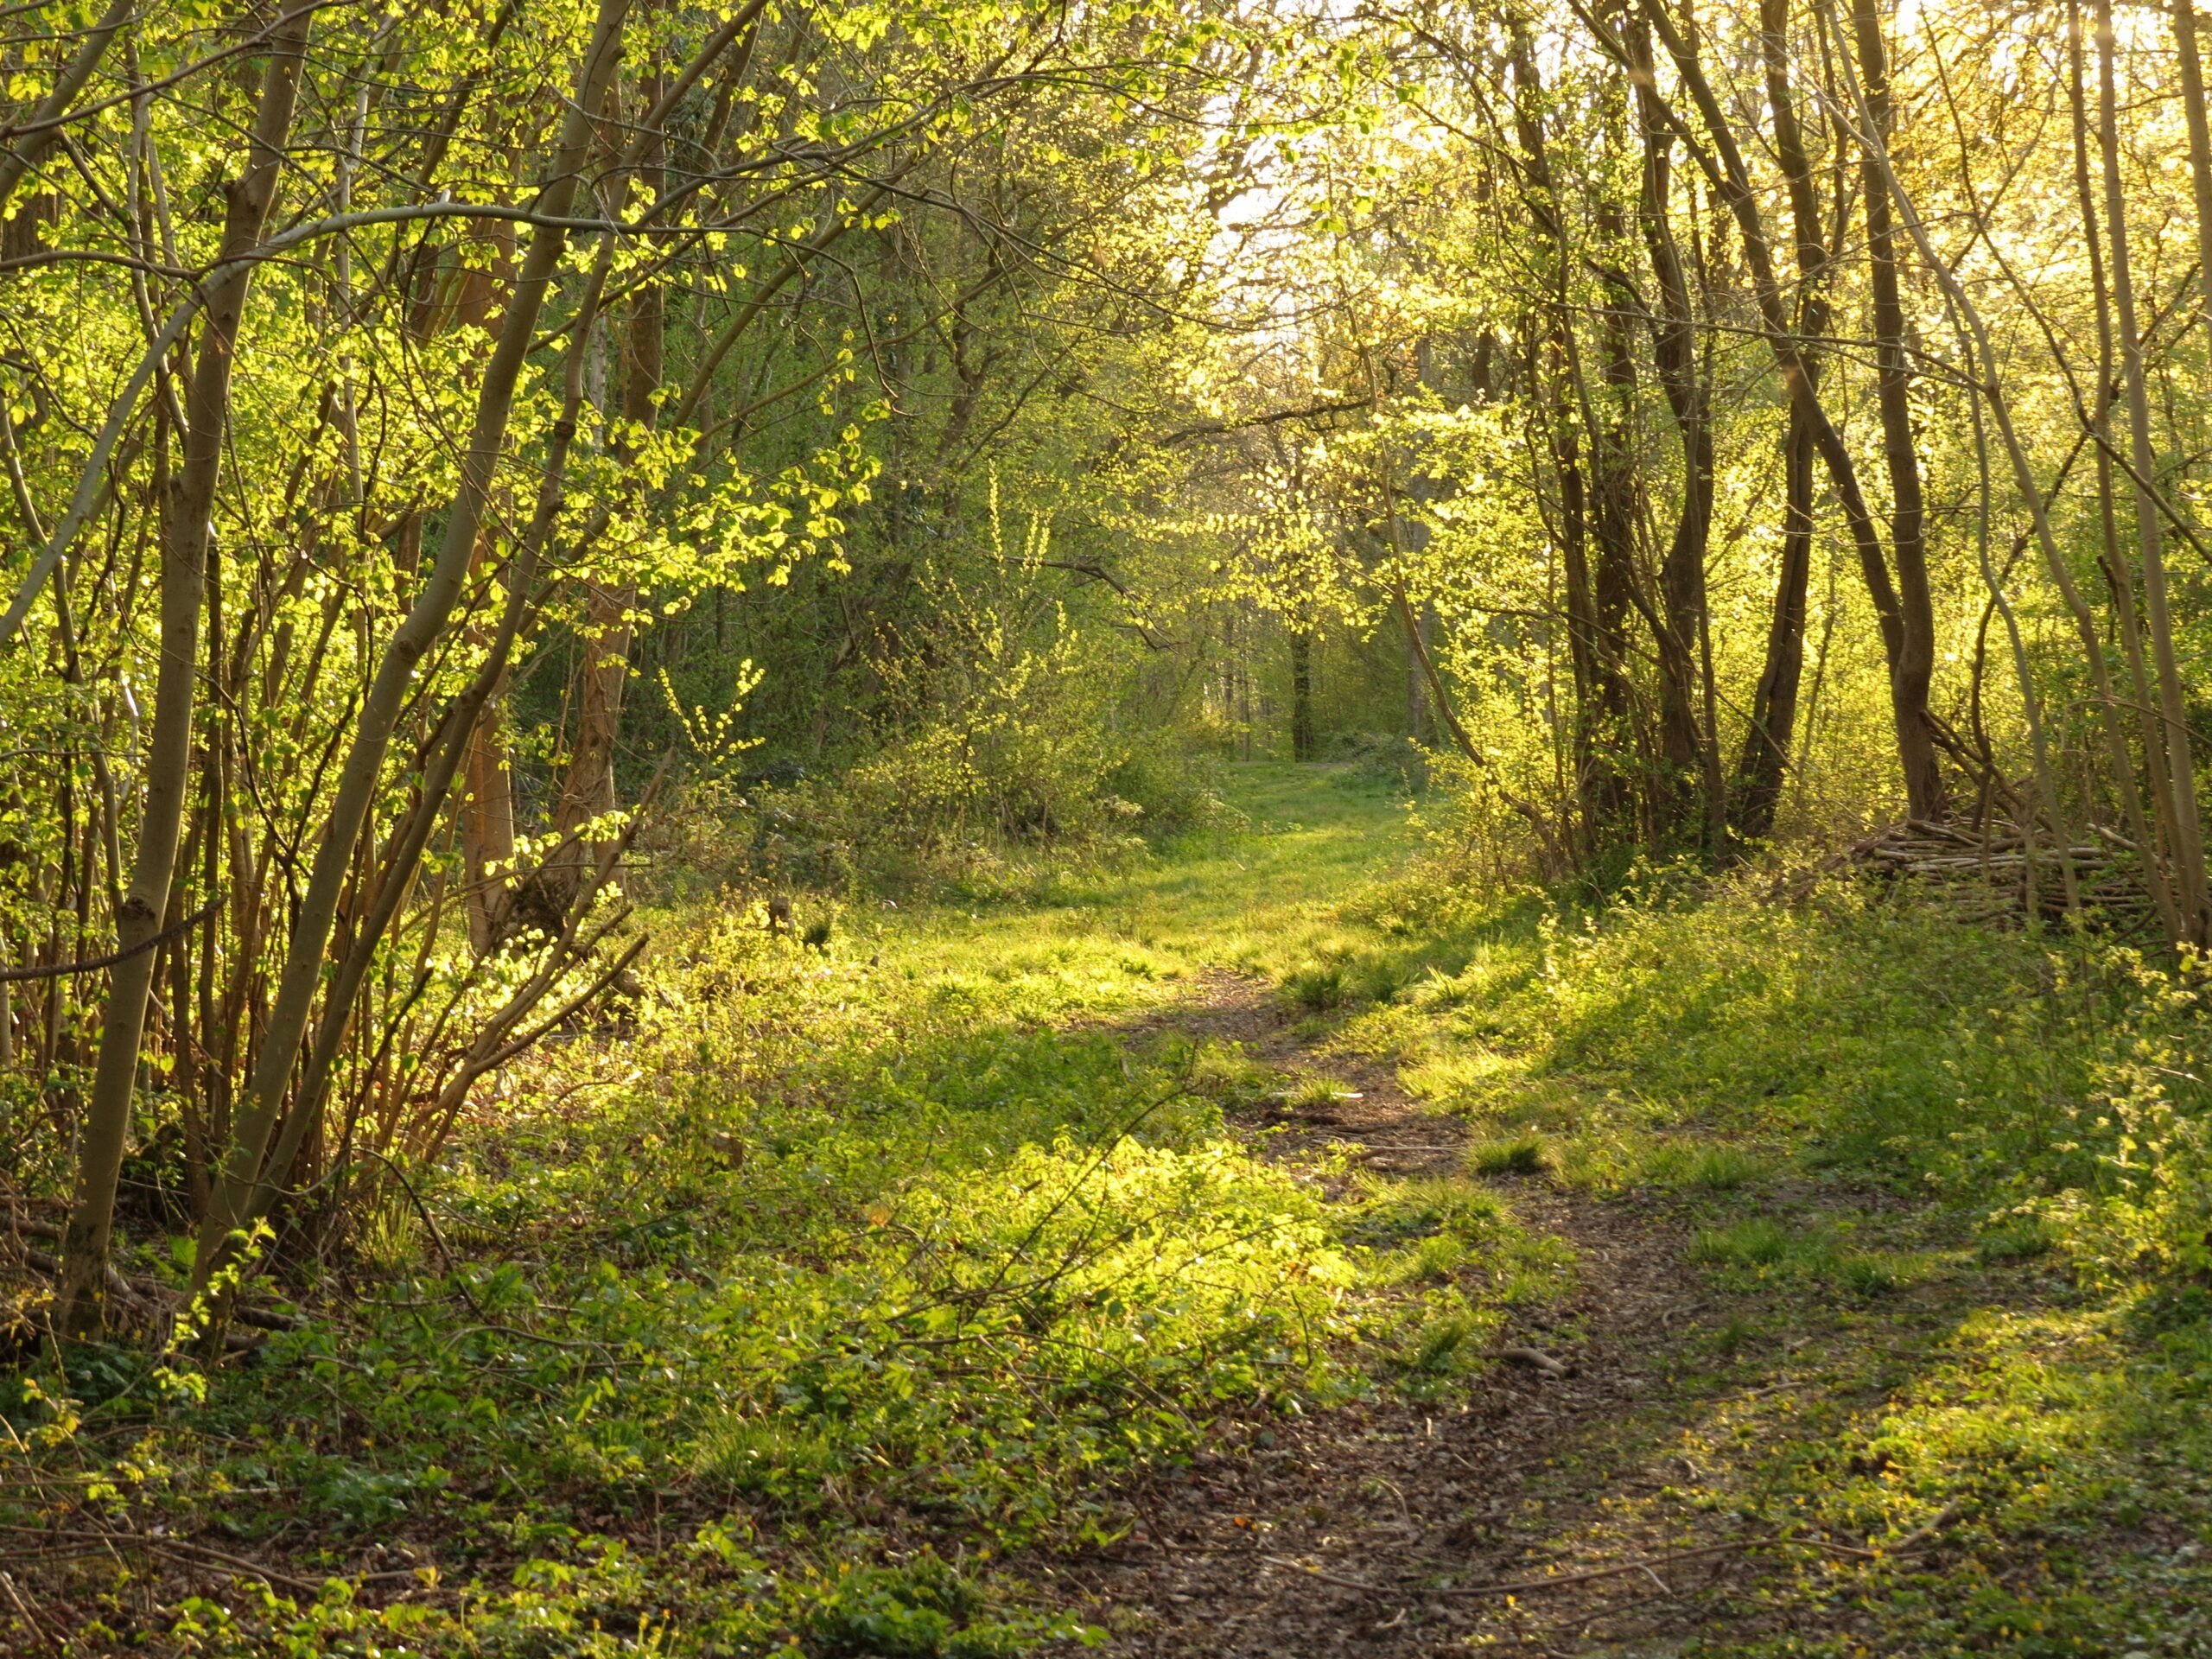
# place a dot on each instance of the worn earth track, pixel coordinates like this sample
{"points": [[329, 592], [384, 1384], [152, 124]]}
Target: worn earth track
{"points": [[1370, 1529]]}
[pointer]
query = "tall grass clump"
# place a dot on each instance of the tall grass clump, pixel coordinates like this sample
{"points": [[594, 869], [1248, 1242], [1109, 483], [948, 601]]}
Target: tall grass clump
{"points": [[2032, 1072]]}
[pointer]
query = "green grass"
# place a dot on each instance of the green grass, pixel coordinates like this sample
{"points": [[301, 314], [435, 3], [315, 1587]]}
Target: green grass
{"points": [[1757, 1243], [1315, 1094], [1946, 1192], [2015, 1238], [1519, 1155], [869, 1259], [777, 1322], [1716, 1168]]}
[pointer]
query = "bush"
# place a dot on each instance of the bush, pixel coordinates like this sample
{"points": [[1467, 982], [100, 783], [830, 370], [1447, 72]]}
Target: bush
{"points": [[1177, 788], [942, 803]]}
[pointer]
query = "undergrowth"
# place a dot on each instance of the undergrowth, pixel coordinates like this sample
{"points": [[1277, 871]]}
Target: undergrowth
{"points": [[1948, 1188], [774, 1322], [784, 1319]]}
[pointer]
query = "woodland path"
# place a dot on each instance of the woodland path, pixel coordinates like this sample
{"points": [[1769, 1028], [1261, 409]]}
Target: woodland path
{"points": [[1621, 1469], [1229, 1556]]}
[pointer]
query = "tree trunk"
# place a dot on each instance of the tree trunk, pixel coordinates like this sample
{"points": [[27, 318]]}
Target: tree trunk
{"points": [[2186, 835], [1767, 741], [240, 1187], [1769, 738], [1590, 522], [1683, 748], [1301, 694], [2153, 830], [1915, 733], [588, 790], [1616, 498], [185, 533], [487, 808], [1418, 723], [2200, 141], [19, 156], [1913, 672], [487, 828]]}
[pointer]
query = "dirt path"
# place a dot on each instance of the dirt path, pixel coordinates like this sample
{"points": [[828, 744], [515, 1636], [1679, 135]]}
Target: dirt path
{"points": [[1370, 1528]]}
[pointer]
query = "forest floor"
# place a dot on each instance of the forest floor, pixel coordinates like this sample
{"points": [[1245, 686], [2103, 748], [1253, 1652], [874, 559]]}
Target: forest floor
{"points": [[1586, 1491], [1647, 1460], [1245, 1249]]}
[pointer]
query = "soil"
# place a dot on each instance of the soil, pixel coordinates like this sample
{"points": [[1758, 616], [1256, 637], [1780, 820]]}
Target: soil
{"points": [[1389, 1528]]}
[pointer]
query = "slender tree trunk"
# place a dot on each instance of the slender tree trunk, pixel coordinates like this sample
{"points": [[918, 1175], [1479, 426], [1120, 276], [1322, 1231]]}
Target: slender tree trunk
{"points": [[239, 1190], [1683, 748], [1915, 735], [1767, 741], [1595, 544], [487, 808], [2200, 141], [184, 541], [2186, 828], [1978, 351], [1913, 672], [1596, 794], [1418, 724], [1770, 736], [2151, 829], [1574, 558], [1615, 500], [1301, 694], [41, 128], [587, 790], [487, 829]]}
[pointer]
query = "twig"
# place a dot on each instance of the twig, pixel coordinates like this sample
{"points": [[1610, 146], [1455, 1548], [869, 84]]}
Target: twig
{"points": [[168, 1546], [148, 1295], [1328, 1578], [453, 1268], [94, 965], [45, 1636], [1536, 1358]]}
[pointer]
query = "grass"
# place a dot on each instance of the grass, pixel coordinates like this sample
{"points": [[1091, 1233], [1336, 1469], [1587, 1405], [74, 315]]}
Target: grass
{"points": [[1945, 1194], [1314, 1094], [776, 1325], [1758, 1242], [2017, 1238], [1519, 1155], [1717, 1168], [855, 1266]]}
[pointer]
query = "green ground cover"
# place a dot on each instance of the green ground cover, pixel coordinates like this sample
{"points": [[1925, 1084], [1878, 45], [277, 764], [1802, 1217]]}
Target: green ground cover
{"points": [[776, 1318], [772, 1321], [1946, 1189]]}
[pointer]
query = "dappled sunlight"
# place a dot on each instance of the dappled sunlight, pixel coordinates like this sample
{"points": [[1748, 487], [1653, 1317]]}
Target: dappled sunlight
{"points": [[1212, 829]]}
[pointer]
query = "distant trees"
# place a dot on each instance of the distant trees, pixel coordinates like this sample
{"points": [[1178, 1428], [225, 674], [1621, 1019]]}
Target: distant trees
{"points": [[1672, 306]]}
